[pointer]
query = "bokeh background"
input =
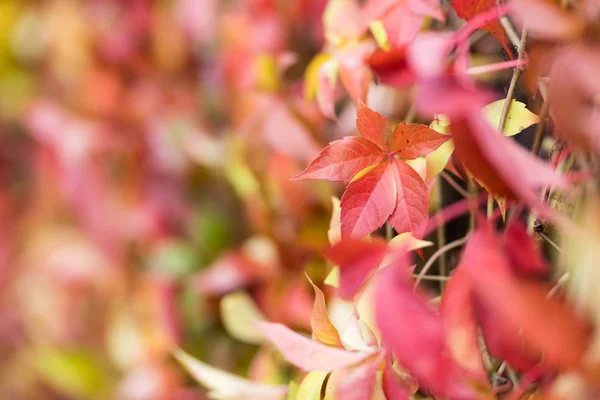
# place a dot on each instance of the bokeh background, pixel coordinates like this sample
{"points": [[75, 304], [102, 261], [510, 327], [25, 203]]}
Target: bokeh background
{"points": [[145, 151]]}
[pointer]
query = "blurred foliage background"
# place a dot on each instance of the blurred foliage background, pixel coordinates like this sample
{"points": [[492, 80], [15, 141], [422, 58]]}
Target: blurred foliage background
{"points": [[144, 175]]}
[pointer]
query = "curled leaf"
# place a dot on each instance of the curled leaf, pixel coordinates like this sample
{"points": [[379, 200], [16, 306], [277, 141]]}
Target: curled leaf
{"points": [[239, 314], [225, 386], [308, 355]]}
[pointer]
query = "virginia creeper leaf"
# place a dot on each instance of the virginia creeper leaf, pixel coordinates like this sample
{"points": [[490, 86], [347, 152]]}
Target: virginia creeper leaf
{"points": [[415, 333], [308, 355], [357, 383], [412, 203], [226, 386], [547, 325], [369, 201], [239, 314], [342, 159], [322, 328], [311, 386], [415, 140], [373, 126], [357, 259], [468, 9], [460, 322]]}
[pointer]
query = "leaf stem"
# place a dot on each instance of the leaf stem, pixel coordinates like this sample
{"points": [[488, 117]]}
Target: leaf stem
{"points": [[484, 69], [455, 185], [508, 102]]}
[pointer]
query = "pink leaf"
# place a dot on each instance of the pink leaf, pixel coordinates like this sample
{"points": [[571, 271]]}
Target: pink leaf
{"points": [[342, 159], [231, 271], [308, 355], [460, 322], [357, 260], [547, 325], [368, 201], [412, 203], [415, 333], [358, 383], [468, 9], [546, 20], [396, 385], [286, 134]]}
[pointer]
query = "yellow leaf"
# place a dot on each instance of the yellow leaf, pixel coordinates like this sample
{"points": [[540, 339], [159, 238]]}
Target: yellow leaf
{"points": [[322, 328], [225, 386], [378, 31], [310, 388], [293, 391], [267, 74], [408, 240], [73, 372], [239, 315], [335, 225], [519, 117], [440, 124], [311, 75], [333, 278], [438, 159]]}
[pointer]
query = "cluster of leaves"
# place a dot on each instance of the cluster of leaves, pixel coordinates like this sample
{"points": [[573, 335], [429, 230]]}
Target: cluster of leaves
{"points": [[507, 322], [155, 201]]}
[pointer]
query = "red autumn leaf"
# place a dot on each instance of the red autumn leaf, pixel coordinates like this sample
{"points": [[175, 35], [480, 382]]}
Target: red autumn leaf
{"points": [[460, 322], [468, 9], [381, 186], [402, 19], [308, 355], [391, 67], [342, 159], [523, 252], [357, 259], [412, 201], [397, 385], [493, 160], [546, 325], [415, 333], [369, 201], [505, 344], [373, 126], [415, 140]]}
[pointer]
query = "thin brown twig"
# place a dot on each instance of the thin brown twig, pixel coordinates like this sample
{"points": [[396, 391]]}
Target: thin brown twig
{"points": [[508, 101], [455, 185], [442, 250], [539, 130]]}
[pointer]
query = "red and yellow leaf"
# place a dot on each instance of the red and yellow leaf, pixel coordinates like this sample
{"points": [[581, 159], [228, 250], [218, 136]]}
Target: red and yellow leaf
{"points": [[342, 159]]}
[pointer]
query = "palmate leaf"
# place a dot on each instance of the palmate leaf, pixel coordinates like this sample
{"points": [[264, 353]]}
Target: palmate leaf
{"points": [[467, 9], [381, 186]]}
